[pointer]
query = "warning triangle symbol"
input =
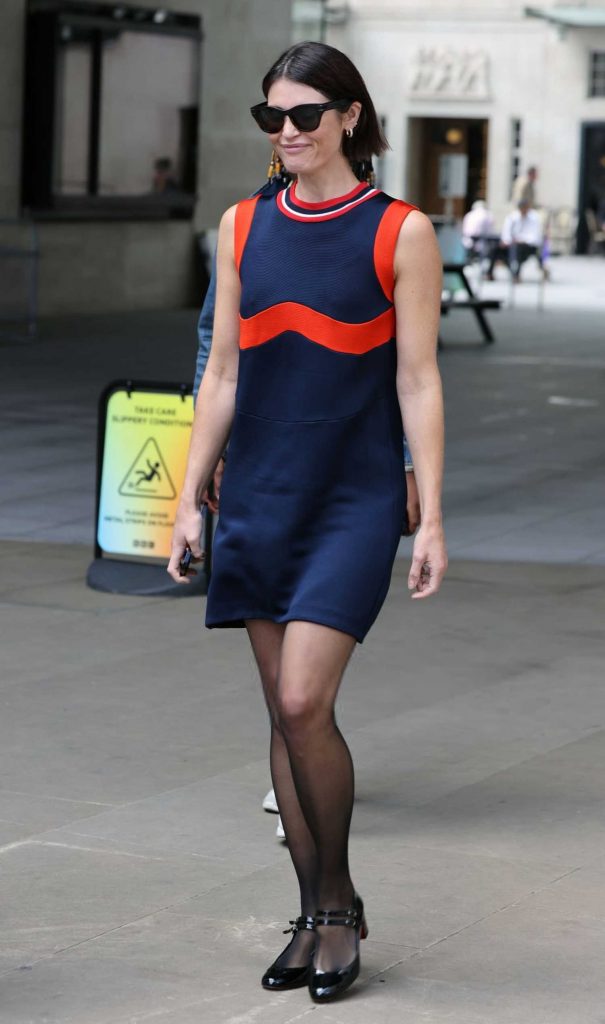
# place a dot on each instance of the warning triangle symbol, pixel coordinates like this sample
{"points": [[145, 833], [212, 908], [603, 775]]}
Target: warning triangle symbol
{"points": [[148, 477]]}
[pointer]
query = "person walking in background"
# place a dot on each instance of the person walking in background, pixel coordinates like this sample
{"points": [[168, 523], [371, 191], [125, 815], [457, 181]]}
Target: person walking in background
{"points": [[325, 338], [524, 188], [523, 236]]}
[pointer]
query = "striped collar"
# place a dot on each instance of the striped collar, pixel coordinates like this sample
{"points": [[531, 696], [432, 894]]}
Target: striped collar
{"points": [[297, 209]]}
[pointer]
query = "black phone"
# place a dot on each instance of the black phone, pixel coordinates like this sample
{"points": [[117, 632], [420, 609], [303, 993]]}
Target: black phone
{"points": [[185, 562]]}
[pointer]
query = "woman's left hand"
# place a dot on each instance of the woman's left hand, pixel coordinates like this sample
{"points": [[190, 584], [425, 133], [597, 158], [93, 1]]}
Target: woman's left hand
{"points": [[429, 561]]}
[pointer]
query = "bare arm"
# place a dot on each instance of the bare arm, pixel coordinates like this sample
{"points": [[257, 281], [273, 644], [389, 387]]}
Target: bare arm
{"points": [[418, 283], [215, 405]]}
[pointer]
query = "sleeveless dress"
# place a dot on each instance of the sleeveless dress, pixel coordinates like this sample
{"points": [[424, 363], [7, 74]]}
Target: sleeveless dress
{"points": [[314, 493]]}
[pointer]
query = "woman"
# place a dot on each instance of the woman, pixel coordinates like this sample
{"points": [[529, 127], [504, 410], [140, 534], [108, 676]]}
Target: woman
{"points": [[325, 335]]}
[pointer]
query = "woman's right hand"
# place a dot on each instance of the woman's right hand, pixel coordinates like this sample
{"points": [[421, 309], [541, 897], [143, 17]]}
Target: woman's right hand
{"points": [[187, 533]]}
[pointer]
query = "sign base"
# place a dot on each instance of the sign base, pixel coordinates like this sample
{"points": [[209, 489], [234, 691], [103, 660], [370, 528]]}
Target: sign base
{"points": [[120, 577]]}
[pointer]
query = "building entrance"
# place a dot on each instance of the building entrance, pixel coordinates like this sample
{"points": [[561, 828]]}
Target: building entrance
{"points": [[432, 138], [591, 203]]}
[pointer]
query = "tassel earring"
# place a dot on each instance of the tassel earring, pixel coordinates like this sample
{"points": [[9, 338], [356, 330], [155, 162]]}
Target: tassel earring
{"points": [[275, 169]]}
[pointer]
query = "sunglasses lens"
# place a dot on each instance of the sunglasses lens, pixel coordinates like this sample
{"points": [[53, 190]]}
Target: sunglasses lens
{"points": [[273, 120], [267, 118], [306, 117]]}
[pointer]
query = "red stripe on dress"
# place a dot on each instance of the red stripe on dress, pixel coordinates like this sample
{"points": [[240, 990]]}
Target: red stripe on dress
{"points": [[385, 242], [312, 217], [244, 213], [354, 339], [360, 187]]}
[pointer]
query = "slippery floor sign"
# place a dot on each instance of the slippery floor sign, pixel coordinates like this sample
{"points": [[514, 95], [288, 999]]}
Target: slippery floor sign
{"points": [[148, 476], [145, 446]]}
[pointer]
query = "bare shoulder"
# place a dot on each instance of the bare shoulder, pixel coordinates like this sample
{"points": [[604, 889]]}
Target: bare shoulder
{"points": [[417, 242], [227, 221], [417, 228], [226, 232]]}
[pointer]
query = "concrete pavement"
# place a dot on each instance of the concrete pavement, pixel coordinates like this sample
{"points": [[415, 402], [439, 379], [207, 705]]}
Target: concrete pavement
{"points": [[142, 882]]}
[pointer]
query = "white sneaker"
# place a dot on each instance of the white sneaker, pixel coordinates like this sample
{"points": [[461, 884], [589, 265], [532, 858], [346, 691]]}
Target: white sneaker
{"points": [[279, 832], [270, 803]]}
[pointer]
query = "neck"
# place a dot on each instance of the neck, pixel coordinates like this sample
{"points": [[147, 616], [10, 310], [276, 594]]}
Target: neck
{"points": [[329, 182]]}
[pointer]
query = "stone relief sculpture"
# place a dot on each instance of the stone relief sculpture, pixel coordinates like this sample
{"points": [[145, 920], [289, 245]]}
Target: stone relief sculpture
{"points": [[443, 73]]}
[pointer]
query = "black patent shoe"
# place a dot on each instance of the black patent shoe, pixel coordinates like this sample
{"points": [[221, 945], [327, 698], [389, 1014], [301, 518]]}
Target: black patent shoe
{"points": [[327, 985], [277, 979]]}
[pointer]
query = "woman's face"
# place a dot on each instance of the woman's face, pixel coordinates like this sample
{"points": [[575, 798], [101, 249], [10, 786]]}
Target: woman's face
{"points": [[306, 152]]}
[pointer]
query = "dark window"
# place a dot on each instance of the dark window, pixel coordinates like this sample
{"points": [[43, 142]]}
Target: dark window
{"points": [[596, 85], [111, 110], [516, 133], [516, 141]]}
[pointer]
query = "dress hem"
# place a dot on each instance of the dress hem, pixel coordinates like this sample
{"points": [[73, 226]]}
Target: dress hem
{"points": [[320, 619]]}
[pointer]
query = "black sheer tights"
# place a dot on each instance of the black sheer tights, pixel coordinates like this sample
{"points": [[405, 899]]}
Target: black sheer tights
{"points": [[301, 666]]}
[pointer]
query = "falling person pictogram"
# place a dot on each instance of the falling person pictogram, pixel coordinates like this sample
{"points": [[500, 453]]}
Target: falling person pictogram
{"points": [[153, 472], [148, 475]]}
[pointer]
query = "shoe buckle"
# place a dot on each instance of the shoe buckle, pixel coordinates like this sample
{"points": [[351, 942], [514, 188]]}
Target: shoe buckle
{"points": [[348, 917], [300, 924]]}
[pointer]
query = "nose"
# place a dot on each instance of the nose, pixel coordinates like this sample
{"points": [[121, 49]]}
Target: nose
{"points": [[289, 129]]}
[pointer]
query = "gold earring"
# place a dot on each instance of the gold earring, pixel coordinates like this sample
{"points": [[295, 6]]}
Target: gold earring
{"points": [[275, 166]]}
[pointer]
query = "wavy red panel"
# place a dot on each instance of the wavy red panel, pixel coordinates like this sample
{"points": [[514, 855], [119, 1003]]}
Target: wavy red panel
{"points": [[335, 334]]}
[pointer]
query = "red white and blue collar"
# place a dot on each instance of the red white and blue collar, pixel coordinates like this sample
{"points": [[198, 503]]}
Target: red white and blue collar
{"points": [[298, 209]]}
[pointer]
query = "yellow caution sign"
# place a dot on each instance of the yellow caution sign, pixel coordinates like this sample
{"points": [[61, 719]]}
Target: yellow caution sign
{"points": [[144, 456]]}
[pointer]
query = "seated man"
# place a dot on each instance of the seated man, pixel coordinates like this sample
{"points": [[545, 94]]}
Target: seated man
{"points": [[523, 236], [477, 226]]}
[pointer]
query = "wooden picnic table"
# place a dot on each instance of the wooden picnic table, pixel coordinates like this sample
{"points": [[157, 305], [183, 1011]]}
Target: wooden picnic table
{"points": [[469, 301]]}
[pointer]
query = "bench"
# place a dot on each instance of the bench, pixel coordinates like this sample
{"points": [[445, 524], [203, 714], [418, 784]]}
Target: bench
{"points": [[470, 301]]}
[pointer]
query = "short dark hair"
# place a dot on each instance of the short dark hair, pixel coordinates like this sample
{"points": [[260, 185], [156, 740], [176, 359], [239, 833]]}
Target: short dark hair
{"points": [[331, 72]]}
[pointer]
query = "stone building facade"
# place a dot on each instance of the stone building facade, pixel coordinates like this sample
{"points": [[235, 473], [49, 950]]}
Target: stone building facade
{"points": [[498, 82]]}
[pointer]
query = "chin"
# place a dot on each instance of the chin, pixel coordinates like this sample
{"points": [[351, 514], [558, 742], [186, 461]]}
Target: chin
{"points": [[294, 163]]}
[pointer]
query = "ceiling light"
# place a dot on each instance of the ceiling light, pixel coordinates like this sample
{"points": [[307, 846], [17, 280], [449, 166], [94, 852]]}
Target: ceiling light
{"points": [[453, 136]]}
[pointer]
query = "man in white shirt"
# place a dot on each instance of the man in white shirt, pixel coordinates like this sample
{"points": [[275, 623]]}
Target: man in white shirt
{"points": [[523, 236], [477, 224], [479, 235]]}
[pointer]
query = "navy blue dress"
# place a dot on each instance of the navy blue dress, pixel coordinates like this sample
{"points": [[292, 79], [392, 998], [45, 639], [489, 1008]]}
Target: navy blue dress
{"points": [[314, 493]]}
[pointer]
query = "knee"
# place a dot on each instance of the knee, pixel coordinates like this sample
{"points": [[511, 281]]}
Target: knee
{"points": [[298, 711]]}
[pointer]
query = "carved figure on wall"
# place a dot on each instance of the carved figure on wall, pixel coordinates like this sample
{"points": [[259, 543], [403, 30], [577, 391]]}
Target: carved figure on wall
{"points": [[444, 73]]}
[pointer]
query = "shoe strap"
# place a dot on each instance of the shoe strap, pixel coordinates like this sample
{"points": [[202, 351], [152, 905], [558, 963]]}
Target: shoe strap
{"points": [[350, 917], [301, 924]]}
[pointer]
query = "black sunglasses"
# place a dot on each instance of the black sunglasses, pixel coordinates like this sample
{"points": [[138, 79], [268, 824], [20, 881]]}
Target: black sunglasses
{"points": [[305, 116]]}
